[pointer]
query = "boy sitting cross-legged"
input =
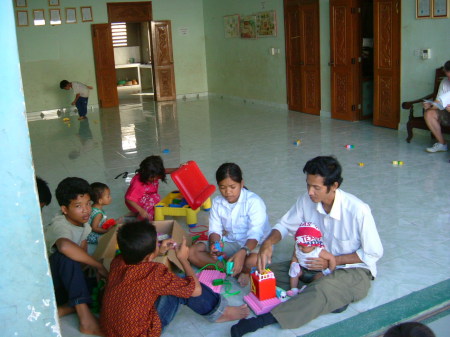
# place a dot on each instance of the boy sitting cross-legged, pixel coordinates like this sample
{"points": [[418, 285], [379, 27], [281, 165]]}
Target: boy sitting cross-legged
{"points": [[142, 296], [65, 238]]}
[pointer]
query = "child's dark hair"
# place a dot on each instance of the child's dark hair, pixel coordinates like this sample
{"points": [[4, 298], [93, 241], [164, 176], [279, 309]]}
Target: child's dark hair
{"points": [[97, 190], [45, 196], [447, 66], [409, 329], [63, 84], [136, 240], [70, 188], [229, 170], [152, 167], [327, 167]]}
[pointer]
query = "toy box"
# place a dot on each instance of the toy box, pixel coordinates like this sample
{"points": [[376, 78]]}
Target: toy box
{"points": [[107, 244], [263, 285]]}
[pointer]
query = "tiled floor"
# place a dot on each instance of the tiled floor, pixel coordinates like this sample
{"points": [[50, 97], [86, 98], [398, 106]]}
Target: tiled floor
{"points": [[410, 203]]}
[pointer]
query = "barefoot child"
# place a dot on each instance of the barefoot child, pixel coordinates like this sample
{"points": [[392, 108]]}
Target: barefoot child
{"points": [[239, 218], [142, 296], [65, 239], [100, 196], [142, 194], [308, 244]]}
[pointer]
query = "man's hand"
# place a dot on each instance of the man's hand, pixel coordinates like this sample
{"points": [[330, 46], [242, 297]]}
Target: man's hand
{"points": [[264, 256], [316, 263], [239, 260]]}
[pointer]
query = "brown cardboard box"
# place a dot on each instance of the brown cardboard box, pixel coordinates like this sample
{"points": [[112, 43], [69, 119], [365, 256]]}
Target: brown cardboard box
{"points": [[176, 232], [107, 244]]}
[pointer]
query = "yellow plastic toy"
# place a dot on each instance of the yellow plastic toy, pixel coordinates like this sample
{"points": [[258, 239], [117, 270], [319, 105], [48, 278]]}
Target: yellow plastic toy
{"points": [[172, 205]]}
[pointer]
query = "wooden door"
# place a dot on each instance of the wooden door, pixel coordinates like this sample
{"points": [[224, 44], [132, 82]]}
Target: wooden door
{"points": [[345, 62], [387, 27], [162, 56], [105, 71], [303, 55]]}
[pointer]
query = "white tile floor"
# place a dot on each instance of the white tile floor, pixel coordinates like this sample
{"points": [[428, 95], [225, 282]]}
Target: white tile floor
{"points": [[410, 203]]}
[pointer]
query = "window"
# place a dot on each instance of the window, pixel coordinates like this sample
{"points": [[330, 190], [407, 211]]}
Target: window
{"points": [[119, 34]]}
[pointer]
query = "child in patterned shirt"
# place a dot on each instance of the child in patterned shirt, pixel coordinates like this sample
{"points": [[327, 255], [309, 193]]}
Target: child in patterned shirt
{"points": [[100, 196]]}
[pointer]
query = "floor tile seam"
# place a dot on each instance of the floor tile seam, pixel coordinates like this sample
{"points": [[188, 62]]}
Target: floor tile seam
{"points": [[429, 298]]}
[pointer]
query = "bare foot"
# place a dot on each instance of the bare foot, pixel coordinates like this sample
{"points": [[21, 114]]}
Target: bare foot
{"points": [[64, 310], [81, 118], [234, 313], [88, 322], [243, 279], [91, 330]]}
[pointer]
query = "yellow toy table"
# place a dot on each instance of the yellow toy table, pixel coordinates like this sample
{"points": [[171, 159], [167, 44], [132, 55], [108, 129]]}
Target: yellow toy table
{"points": [[174, 204]]}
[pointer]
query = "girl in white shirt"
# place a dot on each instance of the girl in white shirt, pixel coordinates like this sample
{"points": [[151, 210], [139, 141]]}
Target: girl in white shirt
{"points": [[238, 222]]}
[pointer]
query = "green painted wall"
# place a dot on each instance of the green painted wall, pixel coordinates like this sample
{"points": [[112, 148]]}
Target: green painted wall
{"points": [[49, 54]]}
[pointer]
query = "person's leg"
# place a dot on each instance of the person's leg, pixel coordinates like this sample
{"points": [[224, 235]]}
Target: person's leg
{"points": [[199, 255], [69, 274], [81, 105], [294, 286], [432, 119], [167, 308]]}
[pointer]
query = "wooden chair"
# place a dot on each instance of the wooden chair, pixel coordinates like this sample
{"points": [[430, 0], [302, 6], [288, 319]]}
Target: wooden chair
{"points": [[419, 122]]}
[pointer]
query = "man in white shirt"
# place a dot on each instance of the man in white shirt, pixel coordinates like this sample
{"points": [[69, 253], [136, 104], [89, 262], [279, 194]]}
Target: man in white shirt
{"points": [[434, 117], [81, 95], [349, 233]]}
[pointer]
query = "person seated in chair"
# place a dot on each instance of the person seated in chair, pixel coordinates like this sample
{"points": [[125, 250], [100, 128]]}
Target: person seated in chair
{"points": [[434, 117]]}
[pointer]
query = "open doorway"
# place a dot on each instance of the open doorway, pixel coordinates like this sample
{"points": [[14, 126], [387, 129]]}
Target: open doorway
{"points": [[133, 61], [367, 59]]}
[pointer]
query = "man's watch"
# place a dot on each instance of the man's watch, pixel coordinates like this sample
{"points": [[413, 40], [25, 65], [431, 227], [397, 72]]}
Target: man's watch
{"points": [[247, 250]]}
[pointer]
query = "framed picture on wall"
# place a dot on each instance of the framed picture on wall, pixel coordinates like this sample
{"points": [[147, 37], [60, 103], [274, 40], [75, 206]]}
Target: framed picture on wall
{"points": [[21, 3], [22, 18], [71, 15], [53, 2], [423, 9], [248, 27], [440, 8], [86, 14], [231, 26], [55, 16], [266, 24], [38, 17]]}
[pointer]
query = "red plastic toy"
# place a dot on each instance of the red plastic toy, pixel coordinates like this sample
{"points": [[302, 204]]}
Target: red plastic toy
{"points": [[263, 285], [109, 223]]}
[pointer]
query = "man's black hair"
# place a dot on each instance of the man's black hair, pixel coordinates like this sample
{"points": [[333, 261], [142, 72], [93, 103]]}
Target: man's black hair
{"points": [[136, 240], [45, 196], [70, 188], [63, 84], [327, 167]]}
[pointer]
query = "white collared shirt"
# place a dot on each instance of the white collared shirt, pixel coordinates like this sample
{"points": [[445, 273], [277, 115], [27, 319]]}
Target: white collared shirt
{"points": [[243, 220], [348, 228]]}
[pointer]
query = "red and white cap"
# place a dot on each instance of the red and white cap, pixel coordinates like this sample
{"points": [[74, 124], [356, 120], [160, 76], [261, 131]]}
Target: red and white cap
{"points": [[308, 235]]}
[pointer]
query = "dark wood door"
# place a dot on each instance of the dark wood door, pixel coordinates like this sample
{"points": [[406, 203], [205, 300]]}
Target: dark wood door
{"points": [[387, 27], [303, 55], [162, 56], [345, 62], [105, 71]]}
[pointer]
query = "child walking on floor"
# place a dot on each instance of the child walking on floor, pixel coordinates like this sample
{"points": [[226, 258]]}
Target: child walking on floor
{"points": [[142, 194], [65, 239], [81, 95], [308, 244], [142, 297], [100, 196], [239, 218]]}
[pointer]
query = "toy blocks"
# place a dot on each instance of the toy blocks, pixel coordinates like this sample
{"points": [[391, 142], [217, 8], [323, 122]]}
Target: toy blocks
{"points": [[208, 276], [262, 297]]}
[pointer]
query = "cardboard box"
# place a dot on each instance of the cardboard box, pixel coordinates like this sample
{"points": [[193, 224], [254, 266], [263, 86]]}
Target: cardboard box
{"points": [[107, 244]]}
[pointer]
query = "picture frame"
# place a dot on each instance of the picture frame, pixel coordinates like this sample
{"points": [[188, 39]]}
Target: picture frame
{"points": [[248, 27], [231, 26], [423, 9], [55, 16], [22, 18], [38, 17], [86, 14], [266, 24], [21, 3], [440, 9], [53, 2], [71, 15]]}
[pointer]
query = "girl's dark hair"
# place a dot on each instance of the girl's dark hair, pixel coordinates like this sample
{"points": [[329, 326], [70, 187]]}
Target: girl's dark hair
{"points": [[409, 329], [229, 170], [136, 240], [70, 188], [327, 167], [152, 167], [447, 66], [97, 190]]}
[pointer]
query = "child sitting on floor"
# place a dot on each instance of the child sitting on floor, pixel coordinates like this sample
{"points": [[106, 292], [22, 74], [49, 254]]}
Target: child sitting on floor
{"points": [[65, 239], [308, 244], [142, 297], [100, 196]]}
